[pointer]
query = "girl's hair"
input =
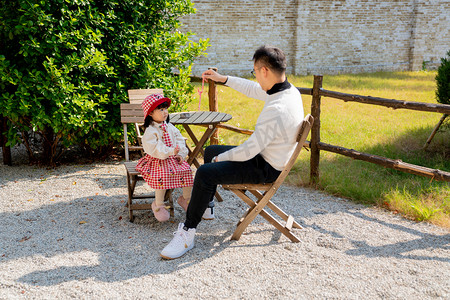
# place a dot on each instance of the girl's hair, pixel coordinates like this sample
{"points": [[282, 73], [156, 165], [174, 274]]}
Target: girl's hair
{"points": [[149, 120]]}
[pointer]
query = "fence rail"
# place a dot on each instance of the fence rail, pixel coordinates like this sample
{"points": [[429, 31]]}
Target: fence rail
{"points": [[396, 164], [395, 104]]}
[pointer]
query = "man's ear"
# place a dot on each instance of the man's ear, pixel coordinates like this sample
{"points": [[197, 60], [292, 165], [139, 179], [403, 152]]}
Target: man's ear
{"points": [[264, 71]]}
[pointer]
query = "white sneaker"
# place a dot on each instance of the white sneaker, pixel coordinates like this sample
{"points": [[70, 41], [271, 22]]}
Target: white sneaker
{"points": [[182, 242], [208, 214]]}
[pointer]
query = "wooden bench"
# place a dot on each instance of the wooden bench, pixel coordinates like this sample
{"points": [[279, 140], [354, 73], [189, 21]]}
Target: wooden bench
{"points": [[133, 177], [132, 114]]}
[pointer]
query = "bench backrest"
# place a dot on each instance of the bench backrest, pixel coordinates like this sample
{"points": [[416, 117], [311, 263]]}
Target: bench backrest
{"points": [[131, 113]]}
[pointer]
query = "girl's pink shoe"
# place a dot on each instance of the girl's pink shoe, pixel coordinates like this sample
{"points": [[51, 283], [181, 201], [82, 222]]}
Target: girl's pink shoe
{"points": [[160, 211], [183, 202]]}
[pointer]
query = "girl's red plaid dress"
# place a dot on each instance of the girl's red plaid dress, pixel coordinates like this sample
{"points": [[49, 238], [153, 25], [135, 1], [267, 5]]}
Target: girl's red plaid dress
{"points": [[165, 173]]}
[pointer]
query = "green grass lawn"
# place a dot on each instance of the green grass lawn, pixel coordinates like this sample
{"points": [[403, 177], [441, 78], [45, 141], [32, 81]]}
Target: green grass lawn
{"points": [[395, 134]]}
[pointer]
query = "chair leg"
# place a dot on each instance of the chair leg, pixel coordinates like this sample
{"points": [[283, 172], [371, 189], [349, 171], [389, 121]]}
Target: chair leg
{"points": [[131, 183], [245, 220], [255, 209], [277, 210], [218, 197], [286, 230], [168, 197]]}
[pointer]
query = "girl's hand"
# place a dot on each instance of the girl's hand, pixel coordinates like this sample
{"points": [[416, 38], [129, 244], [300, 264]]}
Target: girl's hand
{"points": [[179, 159], [177, 150]]}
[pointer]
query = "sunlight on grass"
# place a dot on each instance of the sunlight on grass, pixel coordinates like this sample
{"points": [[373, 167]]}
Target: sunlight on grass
{"points": [[431, 205], [395, 134]]}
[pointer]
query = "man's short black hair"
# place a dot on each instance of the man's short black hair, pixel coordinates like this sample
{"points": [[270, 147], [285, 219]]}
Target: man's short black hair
{"points": [[271, 57]]}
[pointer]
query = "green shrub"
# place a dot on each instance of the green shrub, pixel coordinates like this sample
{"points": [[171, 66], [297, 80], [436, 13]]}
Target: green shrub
{"points": [[443, 81], [66, 65]]}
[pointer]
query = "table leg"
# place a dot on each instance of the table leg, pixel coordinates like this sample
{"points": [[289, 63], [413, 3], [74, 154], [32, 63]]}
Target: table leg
{"points": [[194, 138], [195, 161], [198, 147]]}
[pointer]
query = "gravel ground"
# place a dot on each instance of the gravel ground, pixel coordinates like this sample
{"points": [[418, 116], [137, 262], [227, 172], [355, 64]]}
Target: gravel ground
{"points": [[65, 234]]}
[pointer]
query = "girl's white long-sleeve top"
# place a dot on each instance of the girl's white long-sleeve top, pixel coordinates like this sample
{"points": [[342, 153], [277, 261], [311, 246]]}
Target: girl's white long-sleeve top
{"points": [[276, 128], [153, 144]]}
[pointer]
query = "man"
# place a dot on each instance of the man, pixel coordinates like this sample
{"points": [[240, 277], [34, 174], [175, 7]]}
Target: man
{"points": [[261, 158]]}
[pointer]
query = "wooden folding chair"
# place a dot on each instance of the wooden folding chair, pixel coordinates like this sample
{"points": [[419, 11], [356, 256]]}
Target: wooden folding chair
{"points": [[131, 113], [264, 199]]}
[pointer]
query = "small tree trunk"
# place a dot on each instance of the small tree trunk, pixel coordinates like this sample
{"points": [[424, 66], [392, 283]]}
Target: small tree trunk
{"points": [[6, 150], [48, 155]]}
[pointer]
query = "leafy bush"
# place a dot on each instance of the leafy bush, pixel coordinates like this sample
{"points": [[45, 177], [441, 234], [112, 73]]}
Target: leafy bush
{"points": [[66, 65], [443, 81]]}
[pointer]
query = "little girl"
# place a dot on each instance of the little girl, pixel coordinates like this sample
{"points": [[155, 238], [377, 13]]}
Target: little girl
{"points": [[163, 166]]}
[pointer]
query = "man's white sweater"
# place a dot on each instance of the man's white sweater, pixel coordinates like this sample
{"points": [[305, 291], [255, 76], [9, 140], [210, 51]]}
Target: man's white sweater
{"points": [[276, 128]]}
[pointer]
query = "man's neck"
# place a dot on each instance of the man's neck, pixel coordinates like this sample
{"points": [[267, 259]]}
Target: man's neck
{"points": [[276, 79], [278, 87], [282, 78]]}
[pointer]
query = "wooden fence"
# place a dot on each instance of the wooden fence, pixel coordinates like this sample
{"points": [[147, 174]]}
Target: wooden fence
{"points": [[316, 145]]}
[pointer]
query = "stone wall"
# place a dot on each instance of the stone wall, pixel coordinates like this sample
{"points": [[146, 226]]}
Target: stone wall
{"points": [[323, 36]]}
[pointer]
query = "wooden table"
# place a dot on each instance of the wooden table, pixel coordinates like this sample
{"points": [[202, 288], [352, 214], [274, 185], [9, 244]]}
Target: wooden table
{"points": [[208, 119]]}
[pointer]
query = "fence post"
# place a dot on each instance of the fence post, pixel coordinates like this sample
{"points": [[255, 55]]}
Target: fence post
{"points": [[6, 150], [213, 105], [315, 131]]}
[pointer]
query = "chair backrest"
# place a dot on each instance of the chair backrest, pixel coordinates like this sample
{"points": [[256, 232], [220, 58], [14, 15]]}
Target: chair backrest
{"points": [[131, 113], [137, 96], [301, 138]]}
